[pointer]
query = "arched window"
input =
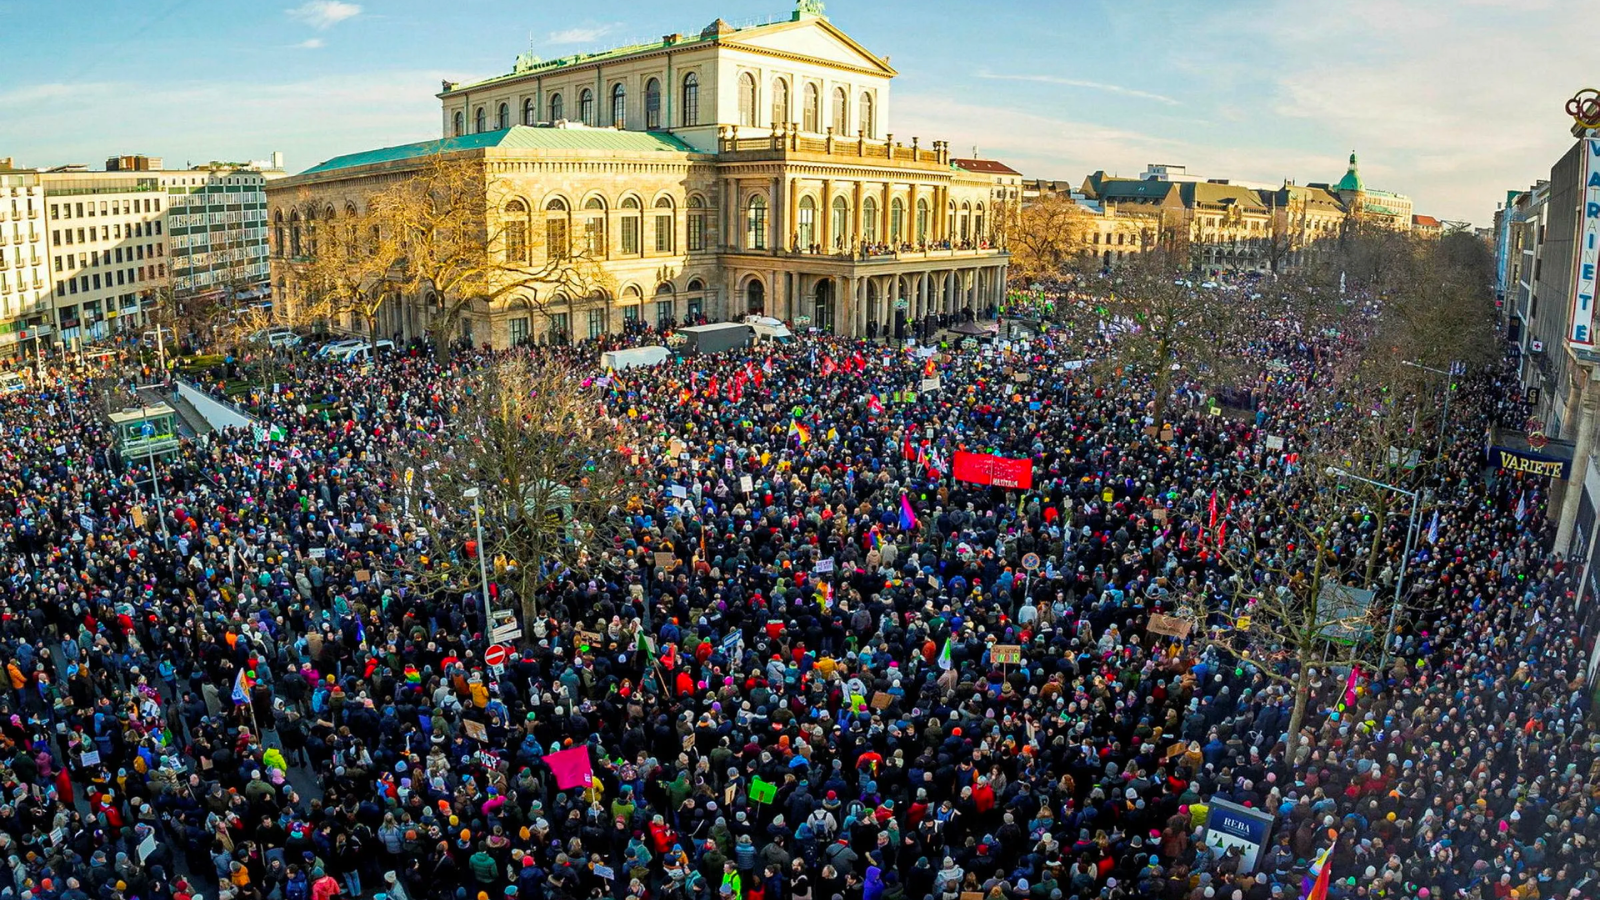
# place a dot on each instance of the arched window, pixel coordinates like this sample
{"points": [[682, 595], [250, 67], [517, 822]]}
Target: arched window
{"points": [[586, 106], [689, 109], [869, 220], [557, 109], [294, 233], [866, 115], [632, 302], [664, 226], [806, 225], [530, 113], [632, 221], [695, 301], [755, 230], [922, 220], [780, 103], [277, 233], [311, 233], [841, 110], [480, 121], [619, 106], [697, 224], [977, 223], [897, 221], [557, 245], [747, 99], [841, 223], [594, 227], [811, 116], [966, 221], [664, 311], [502, 118], [516, 230], [457, 124], [950, 226], [652, 104]]}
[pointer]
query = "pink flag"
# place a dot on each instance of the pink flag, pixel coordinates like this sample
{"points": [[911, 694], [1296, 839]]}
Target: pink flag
{"points": [[571, 767]]}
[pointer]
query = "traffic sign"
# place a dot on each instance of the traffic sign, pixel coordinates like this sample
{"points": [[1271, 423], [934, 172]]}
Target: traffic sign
{"points": [[508, 632], [1030, 561], [497, 655]]}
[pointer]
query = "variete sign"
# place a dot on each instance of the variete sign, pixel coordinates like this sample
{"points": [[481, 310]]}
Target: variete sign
{"points": [[1529, 463]]}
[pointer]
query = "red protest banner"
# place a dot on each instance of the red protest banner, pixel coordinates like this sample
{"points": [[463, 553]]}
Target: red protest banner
{"points": [[1000, 471]]}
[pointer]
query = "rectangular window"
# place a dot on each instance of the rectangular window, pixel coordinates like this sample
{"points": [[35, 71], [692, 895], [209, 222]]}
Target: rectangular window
{"points": [[519, 330], [80, 237], [120, 279], [55, 211], [664, 234], [555, 238], [631, 313], [594, 235], [517, 242], [630, 235], [597, 322], [55, 236], [663, 313], [697, 232], [97, 281], [58, 264]]}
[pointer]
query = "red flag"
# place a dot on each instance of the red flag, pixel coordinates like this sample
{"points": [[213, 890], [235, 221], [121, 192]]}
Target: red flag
{"points": [[1213, 526]]}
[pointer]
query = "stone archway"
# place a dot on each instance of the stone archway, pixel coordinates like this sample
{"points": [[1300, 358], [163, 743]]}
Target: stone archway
{"points": [[755, 296]]}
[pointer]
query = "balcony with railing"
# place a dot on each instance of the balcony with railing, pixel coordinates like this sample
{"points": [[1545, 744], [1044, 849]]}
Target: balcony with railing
{"points": [[783, 142]]}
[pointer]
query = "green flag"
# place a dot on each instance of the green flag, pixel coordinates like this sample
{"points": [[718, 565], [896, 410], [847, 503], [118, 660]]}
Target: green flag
{"points": [[762, 791], [644, 647]]}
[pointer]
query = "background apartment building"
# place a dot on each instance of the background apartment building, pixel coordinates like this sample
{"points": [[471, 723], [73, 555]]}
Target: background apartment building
{"points": [[85, 254], [25, 315]]}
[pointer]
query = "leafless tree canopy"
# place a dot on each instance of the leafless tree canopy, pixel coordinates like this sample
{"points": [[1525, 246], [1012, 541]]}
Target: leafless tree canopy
{"points": [[549, 467]]}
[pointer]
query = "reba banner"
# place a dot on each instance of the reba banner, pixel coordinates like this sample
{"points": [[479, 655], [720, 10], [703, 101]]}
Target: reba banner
{"points": [[1000, 471]]}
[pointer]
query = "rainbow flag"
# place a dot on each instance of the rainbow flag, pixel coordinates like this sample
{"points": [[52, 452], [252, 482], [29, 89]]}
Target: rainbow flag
{"points": [[802, 433]]}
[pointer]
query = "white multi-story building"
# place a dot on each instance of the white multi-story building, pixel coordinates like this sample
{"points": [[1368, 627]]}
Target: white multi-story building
{"points": [[107, 246], [24, 276]]}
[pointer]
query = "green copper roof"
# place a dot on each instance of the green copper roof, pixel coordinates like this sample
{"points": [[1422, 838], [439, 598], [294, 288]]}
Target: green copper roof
{"points": [[1352, 177], [517, 137]]}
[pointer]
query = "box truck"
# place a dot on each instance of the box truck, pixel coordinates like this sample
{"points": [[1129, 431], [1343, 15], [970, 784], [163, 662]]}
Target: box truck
{"points": [[715, 338]]}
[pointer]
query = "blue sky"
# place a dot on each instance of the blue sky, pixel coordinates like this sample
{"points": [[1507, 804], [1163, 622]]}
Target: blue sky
{"points": [[1451, 101]]}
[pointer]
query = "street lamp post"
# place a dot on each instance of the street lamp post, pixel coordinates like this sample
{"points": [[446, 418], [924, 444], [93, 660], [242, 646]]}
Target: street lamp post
{"points": [[149, 432], [1405, 561], [1449, 388], [483, 566]]}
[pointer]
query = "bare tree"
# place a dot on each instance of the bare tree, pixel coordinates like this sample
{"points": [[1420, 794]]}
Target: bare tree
{"points": [[1166, 324], [1047, 237], [530, 438], [1289, 607], [466, 242]]}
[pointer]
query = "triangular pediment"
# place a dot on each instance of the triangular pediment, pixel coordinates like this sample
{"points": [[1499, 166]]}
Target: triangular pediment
{"points": [[813, 39]]}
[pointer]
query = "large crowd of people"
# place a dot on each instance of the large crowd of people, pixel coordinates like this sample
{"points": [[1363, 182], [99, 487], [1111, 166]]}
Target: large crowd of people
{"points": [[263, 706]]}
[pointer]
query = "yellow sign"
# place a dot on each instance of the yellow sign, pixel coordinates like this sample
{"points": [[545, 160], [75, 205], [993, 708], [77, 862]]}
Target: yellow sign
{"points": [[1516, 462]]}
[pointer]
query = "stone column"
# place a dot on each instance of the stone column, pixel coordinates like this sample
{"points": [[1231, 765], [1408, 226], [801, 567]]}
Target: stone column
{"points": [[883, 213], [1570, 501], [911, 215], [730, 213], [855, 214], [792, 191], [779, 238], [826, 212]]}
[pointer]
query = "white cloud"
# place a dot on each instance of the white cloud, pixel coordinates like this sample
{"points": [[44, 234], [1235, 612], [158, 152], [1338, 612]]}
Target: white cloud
{"points": [[324, 13], [1079, 83], [310, 44], [583, 34], [309, 120]]}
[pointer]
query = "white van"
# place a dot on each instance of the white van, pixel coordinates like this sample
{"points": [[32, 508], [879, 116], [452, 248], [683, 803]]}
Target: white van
{"points": [[769, 330], [362, 351], [618, 360]]}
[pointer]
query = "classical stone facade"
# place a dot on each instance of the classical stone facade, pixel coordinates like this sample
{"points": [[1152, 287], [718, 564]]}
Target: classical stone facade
{"points": [[744, 170]]}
